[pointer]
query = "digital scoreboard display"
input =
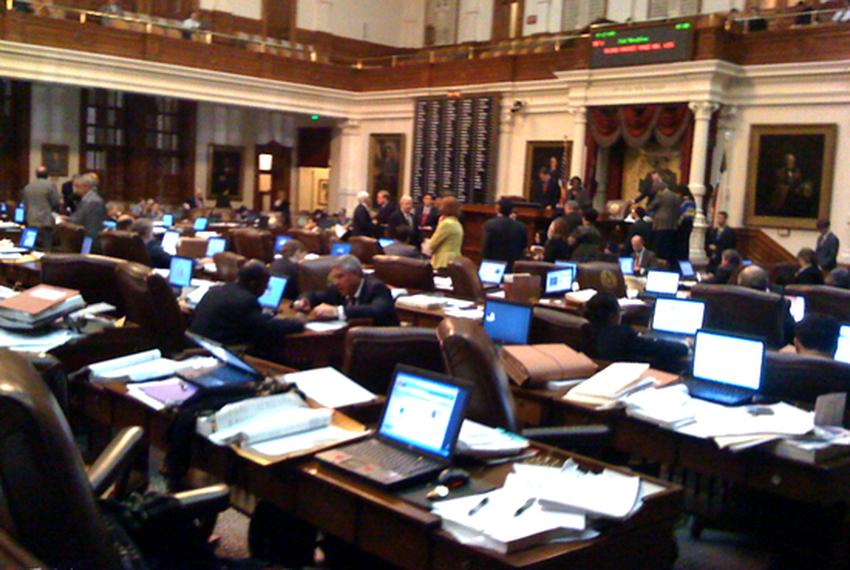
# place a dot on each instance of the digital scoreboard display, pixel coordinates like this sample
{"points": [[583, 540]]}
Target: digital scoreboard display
{"points": [[642, 45]]}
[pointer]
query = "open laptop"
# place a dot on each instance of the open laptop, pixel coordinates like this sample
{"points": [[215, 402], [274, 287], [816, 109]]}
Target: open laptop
{"points": [[270, 299], [507, 323], [86, 247], [28, 238], [661, 283], [726, 369], [627, 265], [169, 242], [279, 242], [168, 220], [340, 249], [215, 245], [417, 434], [491, 273], [676, 319], [842, 349], [19, 215], [110, 225], [559, 281], [201, 224], [798, 307], [686, 269], [180, 272], [565, 263], [232, 369]]}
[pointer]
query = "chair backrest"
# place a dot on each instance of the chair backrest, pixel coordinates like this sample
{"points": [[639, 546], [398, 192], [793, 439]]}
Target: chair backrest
{"points": [[150, 303], [803, 378], [192, 247], [313, 274], [124, 245], [824, 299], [372, 353], [469, 354], [540, 268], [602, 276], [228, 264], [553, 326], [741, 310], [253, 244], [46, 495], [92, 275], [364, 248], [68, 238], [465, 281], [404, 272], [318, 243]]}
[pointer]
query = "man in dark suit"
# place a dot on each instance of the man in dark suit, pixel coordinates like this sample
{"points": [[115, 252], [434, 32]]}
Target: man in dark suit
{"points": [[41, 199], [572, 216], [427, 214], [401, 246], [231, 313], [664, 208], [718, 239], [404, 216], [809, 272], [638, 227], [361, 220], [730, 260], [505, 239], [287, 266], [644, 259], [143, 228], [826, 250], [353, 295], [386, 208]]}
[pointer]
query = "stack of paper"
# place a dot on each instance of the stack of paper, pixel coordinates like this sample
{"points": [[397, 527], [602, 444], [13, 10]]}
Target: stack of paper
{"points": [[477, 440], [421, 301], [35, 343], [443, 283], [609, 384], [38, 306], [141, 366], [329, 387], [581, 296]]}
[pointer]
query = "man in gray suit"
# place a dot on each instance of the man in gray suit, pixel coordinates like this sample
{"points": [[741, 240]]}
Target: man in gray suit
{"points": [[91, 211], [664, 209], [41, 199]]}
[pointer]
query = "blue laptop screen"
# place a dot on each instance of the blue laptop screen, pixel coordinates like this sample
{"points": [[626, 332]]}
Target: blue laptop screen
{"points": [[507, 323], [216, 245], [492, 272], [19, 215], [110, 224], [627, 265], [686, 268], [340, 249], [728, 359], [87, 241], [385, 242], [423, 413], [200, 224], [28, 238], [274, 292], [279, 242], [168, 220], [559, 281], [180, 273], [573, 264]]}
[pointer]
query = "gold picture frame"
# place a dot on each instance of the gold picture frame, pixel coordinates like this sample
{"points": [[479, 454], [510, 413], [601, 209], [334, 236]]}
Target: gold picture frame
{"points": [[386, 164], [538, 155]]}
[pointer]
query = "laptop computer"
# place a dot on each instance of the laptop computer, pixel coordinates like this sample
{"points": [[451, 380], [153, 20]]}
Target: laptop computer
{"points": [[558, 282], [87, 243], [676, 319], [270, 299], [385, 242], [169, 242], [686, 269], [661, 283], [20, 215], [842, 349], [417, 434], [565, 263], [28, 239], [798, 307], [340, 249], [726, 369], [279, 242], [110, 225], [201, 224], [168, 220], [232, 369], [180, 272], [491, 273], [627, 265], [215, 245], [507, 323]]}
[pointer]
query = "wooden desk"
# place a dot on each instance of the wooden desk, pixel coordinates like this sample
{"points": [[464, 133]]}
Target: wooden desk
{"points": [[24, 274]]}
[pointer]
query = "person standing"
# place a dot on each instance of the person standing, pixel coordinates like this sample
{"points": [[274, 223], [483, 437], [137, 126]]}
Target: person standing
{"points": [[404, 216], [361, 221], [91, 211], [826, 250], [428, 214], [386, 208], [447, 240], [718, 239], [664, 208], [41, 199], [687, 213], [505, 239]]}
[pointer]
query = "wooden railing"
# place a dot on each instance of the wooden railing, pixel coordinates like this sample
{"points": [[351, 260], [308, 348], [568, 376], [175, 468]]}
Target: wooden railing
{"points": [[761, 248]]}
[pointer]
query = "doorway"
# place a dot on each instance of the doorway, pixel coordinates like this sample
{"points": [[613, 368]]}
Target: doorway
{"points": [[507, 19], [273, 167]]}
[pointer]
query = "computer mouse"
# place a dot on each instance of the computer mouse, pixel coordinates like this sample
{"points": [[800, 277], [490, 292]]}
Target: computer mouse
{"points": [[453, 477]]}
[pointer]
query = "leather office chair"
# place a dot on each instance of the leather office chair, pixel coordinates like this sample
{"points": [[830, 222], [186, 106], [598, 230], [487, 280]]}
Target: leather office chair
{"points": [[150, 303], [92, 275], [803, 378], [364, 248], [192, 247], [371, 354], [49, 498], [469, 354], [552, 326], [740, 310], [124, 245], [404, 272], [465, 281], [824, 299], [68, 238], [602, 276], [228, 264], [253, 244], [318, 243], [313, 274], [540, 268]]}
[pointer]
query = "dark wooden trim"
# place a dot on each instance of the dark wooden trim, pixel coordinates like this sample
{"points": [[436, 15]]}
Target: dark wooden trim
{"points": [[22, 103], [761, 248]]}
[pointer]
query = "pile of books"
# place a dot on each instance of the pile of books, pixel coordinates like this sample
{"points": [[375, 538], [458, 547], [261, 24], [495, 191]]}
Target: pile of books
{"points": [[38, 307]]}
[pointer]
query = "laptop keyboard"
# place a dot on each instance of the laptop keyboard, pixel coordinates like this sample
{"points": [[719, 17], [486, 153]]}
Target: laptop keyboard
{"points": [[720, 393], [389, 458], [228, 375]]}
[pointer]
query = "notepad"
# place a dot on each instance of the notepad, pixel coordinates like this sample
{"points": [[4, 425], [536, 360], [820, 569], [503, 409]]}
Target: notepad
{"points": [[329, 387]]}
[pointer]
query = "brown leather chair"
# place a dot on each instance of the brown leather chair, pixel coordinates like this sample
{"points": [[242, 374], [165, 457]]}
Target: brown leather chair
{"points": [[68, 238], [540, 268], [824, 299], [228, 264], [602, 276], [124, 245], [318, 243], [404, 272], [465, 281], [789, 376], [92, 275], [192, 247], [364, 248], [372, 353], [313, 274], [551, 326], [150, 303], [253, 244], [745, 311]]}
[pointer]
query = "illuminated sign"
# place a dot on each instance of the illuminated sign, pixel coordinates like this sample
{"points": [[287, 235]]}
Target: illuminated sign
{"points": [[642, 45]]}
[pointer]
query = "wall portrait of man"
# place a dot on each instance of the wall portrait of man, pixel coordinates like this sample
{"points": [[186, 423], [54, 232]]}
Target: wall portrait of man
{"points": [[225, 173], [386, 156], [551, 157]]}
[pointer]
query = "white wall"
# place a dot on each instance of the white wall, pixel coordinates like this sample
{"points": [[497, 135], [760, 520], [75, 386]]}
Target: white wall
{"points": [[55, 120], [245, 8], [392, 22], [547, 14], [475, 21]]}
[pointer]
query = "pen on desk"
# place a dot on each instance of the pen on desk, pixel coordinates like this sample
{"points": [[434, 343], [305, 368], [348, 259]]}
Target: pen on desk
{"points": [[524, 507], [481, 504]]}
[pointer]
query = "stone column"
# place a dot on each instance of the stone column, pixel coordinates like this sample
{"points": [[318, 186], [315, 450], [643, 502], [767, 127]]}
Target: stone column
{"points": [[346, 168], [503, 181], [702, 118], [579, 149]]}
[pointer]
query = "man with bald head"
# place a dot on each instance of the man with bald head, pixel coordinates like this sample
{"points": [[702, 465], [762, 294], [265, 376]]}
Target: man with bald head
{"points": [[644, 259], [754, 277]]}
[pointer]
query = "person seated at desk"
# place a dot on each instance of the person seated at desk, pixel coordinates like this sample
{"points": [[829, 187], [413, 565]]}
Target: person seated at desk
{"points": [[447, 240], [640, 225], [816, 335], [505, 238], [291, 255], [124, 222], [809, 272], [143, 228], [644, 259], [730, 260], [401, 245], [586, 239], [755, 277], [557, 247], [353, 295], [231, 313], [838, 277]]}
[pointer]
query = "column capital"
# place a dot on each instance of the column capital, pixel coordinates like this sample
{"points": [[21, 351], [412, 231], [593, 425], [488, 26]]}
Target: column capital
{"points": [[349, 127], [579, 113], [703, 109]]}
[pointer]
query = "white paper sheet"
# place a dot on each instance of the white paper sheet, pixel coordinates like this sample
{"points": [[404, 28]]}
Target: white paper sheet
{"points": [[325, 326], [329, 387]]}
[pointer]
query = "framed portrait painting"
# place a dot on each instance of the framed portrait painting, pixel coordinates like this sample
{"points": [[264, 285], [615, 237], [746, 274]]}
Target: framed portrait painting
{"points": [[386, 157], [55, 158], [789, 175], [551, 155], [226, 164]]}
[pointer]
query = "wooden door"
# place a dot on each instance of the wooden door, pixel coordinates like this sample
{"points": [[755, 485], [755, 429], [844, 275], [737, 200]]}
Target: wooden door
{"points": [[279, 18], [507, 19], [273, 166], [14, 137]]}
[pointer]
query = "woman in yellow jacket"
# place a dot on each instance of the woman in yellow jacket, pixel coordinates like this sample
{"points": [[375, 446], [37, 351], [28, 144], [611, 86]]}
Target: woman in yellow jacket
{"points": [[447, 240]]}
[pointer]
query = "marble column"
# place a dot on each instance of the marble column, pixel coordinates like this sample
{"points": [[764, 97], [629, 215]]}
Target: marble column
{"points": [[346, 168], [579, 149], [699, 153]]}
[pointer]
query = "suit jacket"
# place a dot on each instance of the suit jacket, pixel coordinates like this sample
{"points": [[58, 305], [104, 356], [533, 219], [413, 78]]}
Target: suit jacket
{"points": [[385, 212], [91, 213], [289, 269], [640, 228], [810, 275], [446, 242], [230, 314], [556, 250], [397, 219], [646, 261], [160, 258], [361, 222], [722, 275], [428, 220], [505, 239], [374, 302], [665, 210], [573, 221], [41, 199], [723, 239], [827, 251]]}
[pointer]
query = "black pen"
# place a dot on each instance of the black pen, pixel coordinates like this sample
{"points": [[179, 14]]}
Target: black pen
{"points": [[481, 504], [524, 507]]}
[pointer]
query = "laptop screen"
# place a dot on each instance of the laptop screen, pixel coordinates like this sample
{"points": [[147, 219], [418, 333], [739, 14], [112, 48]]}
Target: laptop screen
{"points": [[842, 349], [168, 220], [19, 215], [507, 323], [274, 292], [180, 272], [492, 272], [169, 242], [86, 248], [678, 316], [28, 238], [728, 359], [798, 307], [222, 353], [565, 263], [200, 224], [385, 242], [110, 224], [662, 282], [423, 413], [339, 249], [216, 245], [559, 281], [279, 242], [627, 265], [686, 268]]}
